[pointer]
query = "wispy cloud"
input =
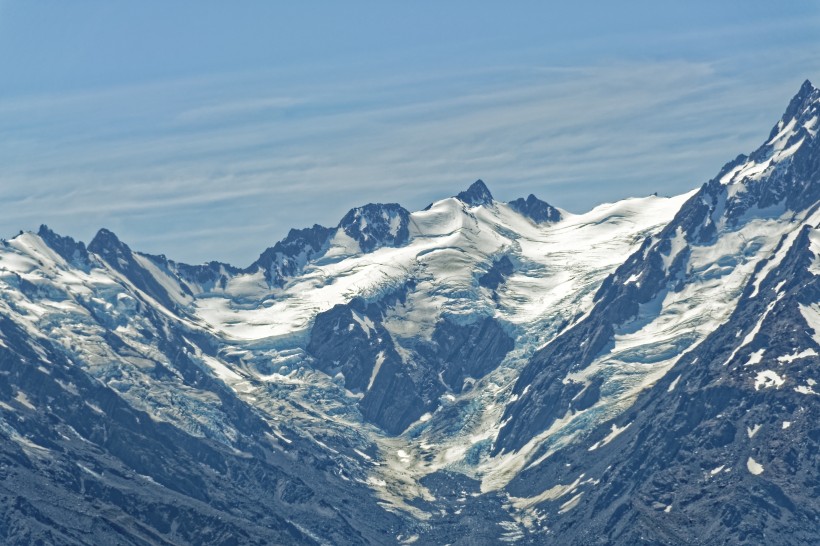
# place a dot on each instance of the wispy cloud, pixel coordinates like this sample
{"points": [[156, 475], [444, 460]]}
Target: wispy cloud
{"points": [[185, 163], [228, 111]]}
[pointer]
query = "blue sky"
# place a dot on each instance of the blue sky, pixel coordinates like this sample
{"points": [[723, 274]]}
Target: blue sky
{"points": [[205, 130]]}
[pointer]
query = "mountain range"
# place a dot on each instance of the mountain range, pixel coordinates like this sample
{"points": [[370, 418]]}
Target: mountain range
{"points": [[477, 372]]}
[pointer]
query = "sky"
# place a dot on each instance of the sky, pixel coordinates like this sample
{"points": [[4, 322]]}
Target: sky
{"points": [[206, 130]]}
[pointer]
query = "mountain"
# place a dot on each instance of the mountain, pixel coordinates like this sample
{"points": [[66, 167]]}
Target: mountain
{"points": [[477, 194], [477, 372], [708, 337]]}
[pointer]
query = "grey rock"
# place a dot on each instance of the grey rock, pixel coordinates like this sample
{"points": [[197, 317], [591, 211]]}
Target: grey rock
{"points": [[477, 194], [536, 210]]}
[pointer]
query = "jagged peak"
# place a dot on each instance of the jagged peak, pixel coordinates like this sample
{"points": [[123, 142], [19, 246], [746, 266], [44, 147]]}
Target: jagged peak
{"points": [[535, 209], [49, 235], [73, 251], [315, 236], [372, 209], [295, 241], [287, 256], [105, 241], [805, 104], [791, 145], [44, 231], [807, 93], [477, 194], [105, 234], [376, 225]]}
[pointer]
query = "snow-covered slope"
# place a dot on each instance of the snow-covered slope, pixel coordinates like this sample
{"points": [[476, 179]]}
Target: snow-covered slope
{"points": [[450, 245], [193, 345], [712, 307], [473, 369]]}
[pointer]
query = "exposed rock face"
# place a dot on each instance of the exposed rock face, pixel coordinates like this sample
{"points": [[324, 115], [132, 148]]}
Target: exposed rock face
{"points": [[207, 277], [536, 210], [72, 251], [403, 391], [119, 257], [352, 340], [375, 225], [477, 194], [495, 276], [372, 226], [466, 351], [287, 257]]}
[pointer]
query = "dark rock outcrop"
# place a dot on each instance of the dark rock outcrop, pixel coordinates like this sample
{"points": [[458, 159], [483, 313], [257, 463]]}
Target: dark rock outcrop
{"points": [[536, 210], [477, 194], [119, 257], [351, 339], [377, 225], [288, 257], [498, 272], [73, 252]]}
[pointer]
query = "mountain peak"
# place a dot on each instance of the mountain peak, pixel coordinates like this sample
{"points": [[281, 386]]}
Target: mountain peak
{"points": [[783, 169], [105, 236], [807, 91], [477, 194], [73, 251], [376, 225], [288, 256], [105, 242], [807, 87], [806, 101], [536, 210]]}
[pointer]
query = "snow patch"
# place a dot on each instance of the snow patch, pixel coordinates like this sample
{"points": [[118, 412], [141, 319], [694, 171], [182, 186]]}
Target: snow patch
{"points": [[23, 399], [788, 359], [616, 430], [364, 323], [811, 313], [553, 493], [751, 335], [673, 384], [570, 504], [767, 379], [221, 370], [376, 368], [804, 389], [755, 357], [754, 467], [774, 262], [814, 247]]}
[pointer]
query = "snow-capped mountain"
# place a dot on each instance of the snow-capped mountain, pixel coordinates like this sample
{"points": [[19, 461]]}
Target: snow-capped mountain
{"points": [[475, 372], [712, 326]]}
